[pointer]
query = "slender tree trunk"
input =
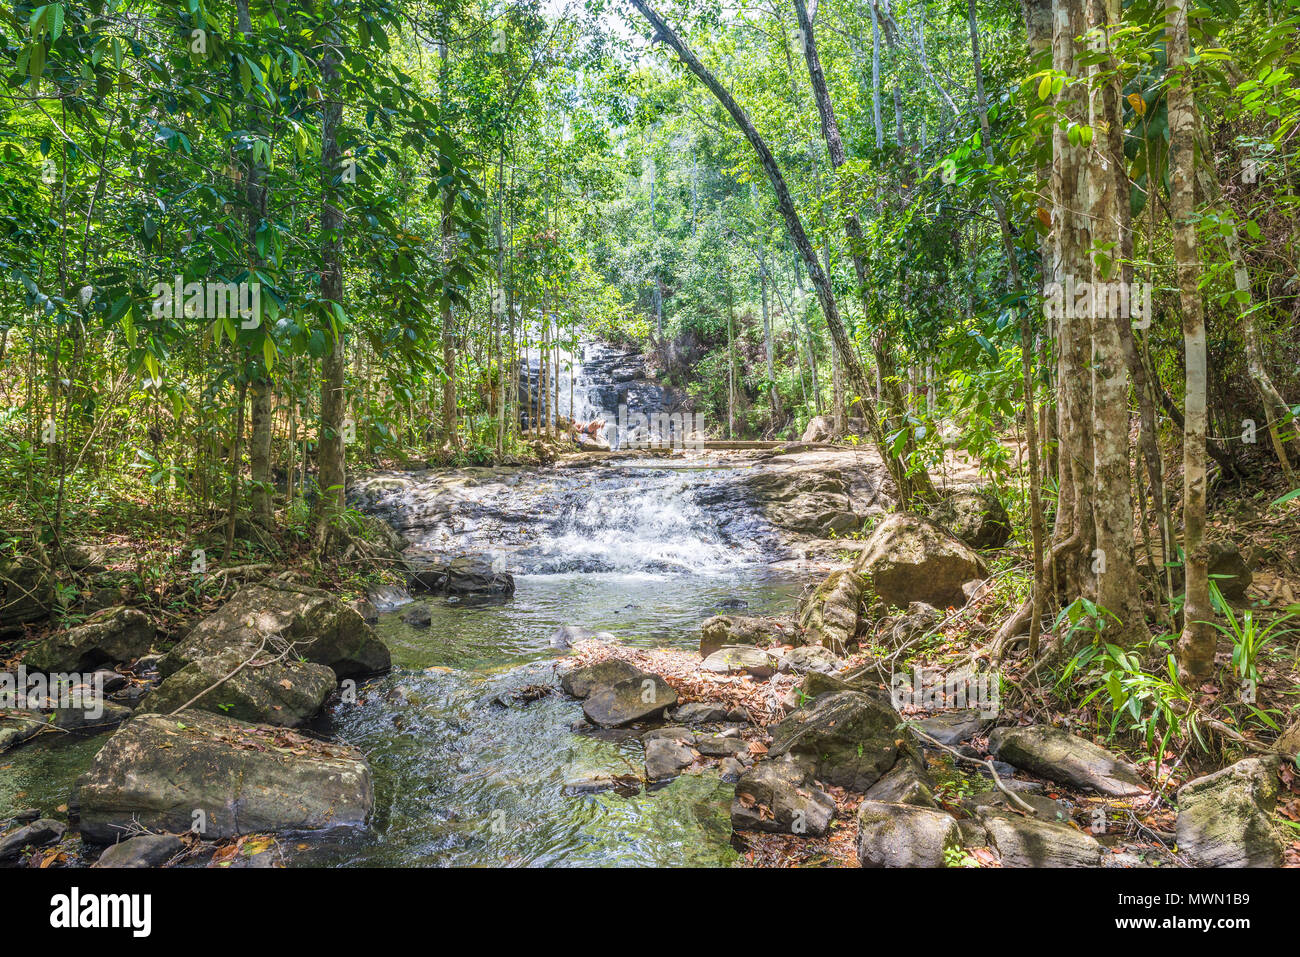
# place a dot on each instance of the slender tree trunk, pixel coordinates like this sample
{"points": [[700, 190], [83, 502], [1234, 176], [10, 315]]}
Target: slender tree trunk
{"points": [[331, 474], [1195, 649]]}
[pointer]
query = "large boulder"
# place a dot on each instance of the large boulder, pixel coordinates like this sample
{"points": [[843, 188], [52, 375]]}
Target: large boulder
{"points": [[741, 630], [903, 835], [220, 777], [830, 615], [285, 692], [976, 517], [779, 796], [1224, 818], [1030, 842], [632, 699], [815, 504], [320, 628], [909, 559], [462, 577], [1067, 759], [113, 636], [26, 587], [849, 739]]}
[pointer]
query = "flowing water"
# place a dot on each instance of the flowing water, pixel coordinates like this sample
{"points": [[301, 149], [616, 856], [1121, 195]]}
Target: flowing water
{"points": [[465, 772]]}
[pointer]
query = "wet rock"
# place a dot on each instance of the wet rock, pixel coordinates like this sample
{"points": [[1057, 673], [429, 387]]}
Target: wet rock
{"points": [[778, 796], [1224, 818], [462, 577], [109, 681], [147, 850], [699, 712], [40, 833], [723, 630], [731, 770], [418, 617], [1066, 759], [110, 637], [26, 587], [808, 658], [952, 727], [286, 693], [849, 739], [906, 783], [632, 699], [903, 835], [566, 636], [831, 614], [1028, 842], [156, 772], [911, 559], [320, 628], [741, 659], [388, 597], [581, 682], [665, 757], [976, 517], [718, 746]]}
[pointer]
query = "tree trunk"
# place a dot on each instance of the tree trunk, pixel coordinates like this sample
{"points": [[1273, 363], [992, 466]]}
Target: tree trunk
{"points": [[331, 474], [1195, 649]]}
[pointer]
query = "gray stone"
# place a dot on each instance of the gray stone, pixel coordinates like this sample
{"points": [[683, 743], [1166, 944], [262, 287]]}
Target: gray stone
{"points": [[287, 693], [808, 658], [633, 699], [952, 727], [831, 615], [849, 739], [976, 517], [581, 682], [723, 630], [1224, 818], [1067, 759], [1027, 842], [902, 835], [919, 619], [778, 796], [147, 850], [111, 637], [741, 659], [665, 757], [718, 746], [699, 712], [910, 559], [320, 628], [906, 783], [39, 833], [156, 771]]}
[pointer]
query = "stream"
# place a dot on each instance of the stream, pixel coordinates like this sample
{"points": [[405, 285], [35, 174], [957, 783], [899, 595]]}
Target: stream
{"points": [[464, 772]]}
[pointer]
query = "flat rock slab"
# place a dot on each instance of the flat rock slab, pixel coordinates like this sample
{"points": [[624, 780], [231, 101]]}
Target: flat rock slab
{"points": [[666, 757], [741, 659], [164, 773], [1067, 759], [903, 835], [723, 630], [952, 727], [1224, 818], [632, 699], [1024, 842]]}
